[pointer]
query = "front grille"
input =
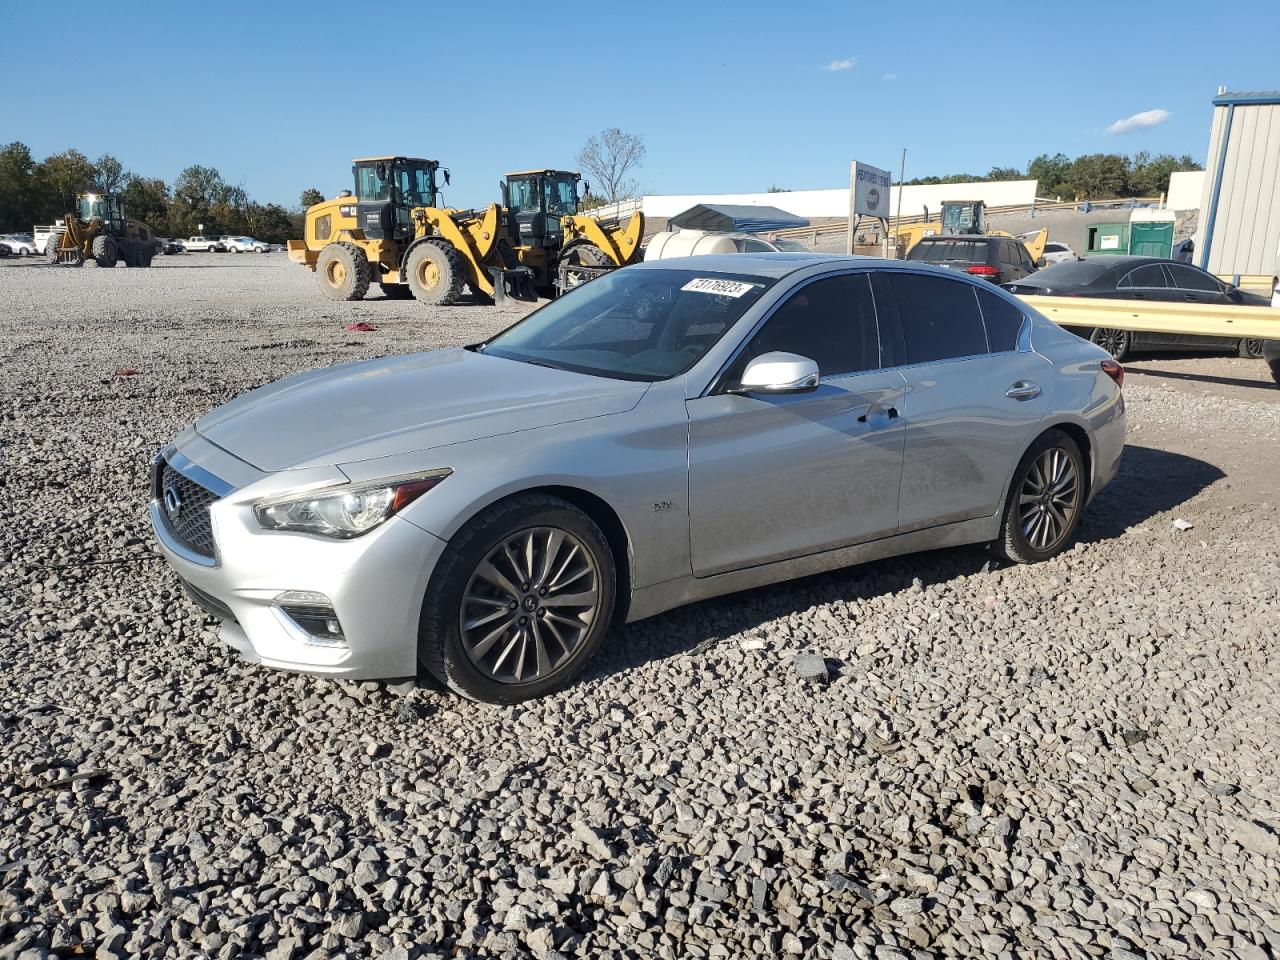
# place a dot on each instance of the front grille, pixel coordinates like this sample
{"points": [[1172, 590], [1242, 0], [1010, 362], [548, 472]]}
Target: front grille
{"points": [[184, 505]]}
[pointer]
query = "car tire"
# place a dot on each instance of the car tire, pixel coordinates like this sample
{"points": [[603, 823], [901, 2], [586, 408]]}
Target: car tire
{"points": [[1046, 497], [343, 271], [1118, 343], [1271, 354], [534, 645], [1251, 348]]}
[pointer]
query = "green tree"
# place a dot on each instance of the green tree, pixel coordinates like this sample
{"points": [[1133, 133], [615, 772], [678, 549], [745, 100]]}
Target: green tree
{"points": [[67, 175], [1098, 175], [1004, 173], [272, 223], [1149, 176], [777, 189], [1050, 171], [148, 200], [23, 201], [108, 174], [310, 197]]}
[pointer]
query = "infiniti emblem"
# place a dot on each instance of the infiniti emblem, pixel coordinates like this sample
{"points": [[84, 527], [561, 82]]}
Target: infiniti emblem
{"points": [[172, 502]]}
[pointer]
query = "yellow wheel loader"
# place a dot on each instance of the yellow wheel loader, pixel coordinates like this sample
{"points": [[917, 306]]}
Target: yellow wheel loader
{"points": [[961, 218], [392, 232], [99, 231], [559, 244]]}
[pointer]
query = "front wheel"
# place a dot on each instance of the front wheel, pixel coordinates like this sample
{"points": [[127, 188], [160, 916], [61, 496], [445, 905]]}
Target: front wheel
{"points": [[343, 271], [1045, 500], [1251, 348], [519, 602], [1118, 343], [435, 272]]}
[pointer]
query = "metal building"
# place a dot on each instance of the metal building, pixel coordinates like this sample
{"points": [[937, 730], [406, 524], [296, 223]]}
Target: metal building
{"points": [[1240, 209]]}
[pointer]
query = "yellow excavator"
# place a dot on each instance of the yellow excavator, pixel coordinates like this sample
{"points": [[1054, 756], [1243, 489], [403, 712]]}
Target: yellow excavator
{"points": [[392, 232], [961, 218], [100, 231], [551, 236]]}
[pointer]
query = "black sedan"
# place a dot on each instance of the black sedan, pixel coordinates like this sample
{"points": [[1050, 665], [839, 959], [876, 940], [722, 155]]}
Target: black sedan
{"points": [[1141, 278]]}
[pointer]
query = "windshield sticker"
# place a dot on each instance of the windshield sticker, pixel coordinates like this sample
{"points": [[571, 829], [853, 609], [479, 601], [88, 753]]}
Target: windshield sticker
{"points": [[721, 288]]}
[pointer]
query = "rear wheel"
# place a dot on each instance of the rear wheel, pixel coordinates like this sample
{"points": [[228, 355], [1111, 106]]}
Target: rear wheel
{"points": [[519, 602], [435, 272], [343, 271], [1251, 348], [1118, 343], [1045, 499], [1271, 353], [104, 250]]}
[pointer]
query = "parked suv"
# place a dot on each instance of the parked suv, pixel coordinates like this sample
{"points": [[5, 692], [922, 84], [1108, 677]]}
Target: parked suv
{"points": [[998, 259], [244, 245], [203, 245]]}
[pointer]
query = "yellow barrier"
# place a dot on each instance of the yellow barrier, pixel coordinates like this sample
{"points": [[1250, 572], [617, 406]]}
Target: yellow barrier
{"points": [[1200, 319]]}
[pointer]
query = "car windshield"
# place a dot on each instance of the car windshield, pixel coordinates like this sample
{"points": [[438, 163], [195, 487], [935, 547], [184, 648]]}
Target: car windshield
{"points": [[632, 324]]}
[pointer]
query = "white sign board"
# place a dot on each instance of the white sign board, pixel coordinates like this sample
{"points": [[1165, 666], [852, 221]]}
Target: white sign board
{"points": [[869, 191]]}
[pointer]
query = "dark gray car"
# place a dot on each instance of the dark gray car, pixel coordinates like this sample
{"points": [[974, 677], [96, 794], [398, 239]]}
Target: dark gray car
{"points": [[997, 259]]}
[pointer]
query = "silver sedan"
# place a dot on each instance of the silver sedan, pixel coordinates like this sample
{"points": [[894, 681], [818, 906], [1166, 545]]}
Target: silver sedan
{"points": [[665, 433]]}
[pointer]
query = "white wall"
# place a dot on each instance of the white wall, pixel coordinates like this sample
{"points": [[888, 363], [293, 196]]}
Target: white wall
{"points": [[835, 203], [1185, 189]]}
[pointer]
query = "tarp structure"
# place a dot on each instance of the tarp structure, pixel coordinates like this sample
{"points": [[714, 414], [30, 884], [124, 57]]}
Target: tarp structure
{"points": [[736, 217]]}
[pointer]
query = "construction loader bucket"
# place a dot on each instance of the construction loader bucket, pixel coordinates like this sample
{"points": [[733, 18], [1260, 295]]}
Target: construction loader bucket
{"points": [[514, 282]]}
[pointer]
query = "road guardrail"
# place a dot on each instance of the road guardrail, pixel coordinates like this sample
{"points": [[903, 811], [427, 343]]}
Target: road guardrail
{"points": [[1200, 319]]}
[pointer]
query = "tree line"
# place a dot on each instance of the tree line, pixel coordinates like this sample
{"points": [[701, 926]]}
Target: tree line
{"points": [[40, 192], [1092, 176]]}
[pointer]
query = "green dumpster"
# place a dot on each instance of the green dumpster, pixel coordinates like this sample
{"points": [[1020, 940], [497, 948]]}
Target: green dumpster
{"points": [[1151, 239], [1107, 238]]}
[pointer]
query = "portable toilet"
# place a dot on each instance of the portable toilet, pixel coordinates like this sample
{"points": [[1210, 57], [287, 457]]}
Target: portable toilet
{"points": [[1151, 232], [1107, 238]]}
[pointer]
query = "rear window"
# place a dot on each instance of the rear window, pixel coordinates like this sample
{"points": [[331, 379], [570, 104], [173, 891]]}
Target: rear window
{"points": [[1070, 273], [1003, 319], [939, 317], [941, 251], [1054, 248]]}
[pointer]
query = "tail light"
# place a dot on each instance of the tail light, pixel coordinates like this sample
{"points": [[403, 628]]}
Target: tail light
{"points": [[1114, 371], [982, 270]]}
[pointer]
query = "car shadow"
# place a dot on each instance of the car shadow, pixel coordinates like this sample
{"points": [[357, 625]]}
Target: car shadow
{"points": [[1149, 482], [1264, 380]]}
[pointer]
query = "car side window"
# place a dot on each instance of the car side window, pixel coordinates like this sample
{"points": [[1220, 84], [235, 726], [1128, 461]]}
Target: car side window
{"points": [[1150, 276], [939, 317], [1003, 321], [755, 246], [1189, 278], [831, 321]]}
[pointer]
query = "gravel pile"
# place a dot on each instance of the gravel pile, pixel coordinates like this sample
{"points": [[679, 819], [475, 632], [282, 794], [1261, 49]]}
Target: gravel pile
{"points": [[1076, 759]]}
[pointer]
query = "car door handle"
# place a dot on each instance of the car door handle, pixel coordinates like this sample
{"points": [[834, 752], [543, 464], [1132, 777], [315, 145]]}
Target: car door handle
{"points": [[891, 412], [1023, 390]]}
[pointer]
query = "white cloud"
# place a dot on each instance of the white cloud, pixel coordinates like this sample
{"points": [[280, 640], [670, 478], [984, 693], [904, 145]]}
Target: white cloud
{"points": [[835, 66], [1147, 118], [890, 76]]}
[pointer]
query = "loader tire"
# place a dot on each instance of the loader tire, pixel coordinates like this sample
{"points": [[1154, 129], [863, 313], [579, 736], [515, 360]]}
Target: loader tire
{"points": [[52, 251], [584, 255], [104, 250], [435, 272], [342, 270]]}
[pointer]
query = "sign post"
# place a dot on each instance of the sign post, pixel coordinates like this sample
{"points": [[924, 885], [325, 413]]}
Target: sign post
{"points": [[868, 197]]}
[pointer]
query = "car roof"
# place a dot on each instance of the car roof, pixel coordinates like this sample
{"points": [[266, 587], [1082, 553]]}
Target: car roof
{"points": [[772, 266]]}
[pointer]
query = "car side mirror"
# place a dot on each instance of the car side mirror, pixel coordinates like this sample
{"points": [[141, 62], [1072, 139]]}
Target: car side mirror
{"points": [[778, 372]]}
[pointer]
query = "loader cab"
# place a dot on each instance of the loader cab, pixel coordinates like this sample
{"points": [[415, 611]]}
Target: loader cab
{"points": [[387, 191], [535, 200], [105, 207], [964, 217]]}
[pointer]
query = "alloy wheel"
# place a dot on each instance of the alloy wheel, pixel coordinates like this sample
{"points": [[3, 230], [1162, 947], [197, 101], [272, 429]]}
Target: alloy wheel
{"points": [[529, 605], [1049, 499], [1115, 342]]}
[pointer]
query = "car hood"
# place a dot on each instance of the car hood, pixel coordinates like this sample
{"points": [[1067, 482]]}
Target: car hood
{"points": [[395, 405]]}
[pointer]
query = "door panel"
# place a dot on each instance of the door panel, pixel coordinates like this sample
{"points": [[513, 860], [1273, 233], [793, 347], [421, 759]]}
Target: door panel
{"points": [[772, 477], [964, 435]]}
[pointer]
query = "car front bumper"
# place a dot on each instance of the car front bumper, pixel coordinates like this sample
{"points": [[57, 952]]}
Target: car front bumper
{"points": [[373, 584]]}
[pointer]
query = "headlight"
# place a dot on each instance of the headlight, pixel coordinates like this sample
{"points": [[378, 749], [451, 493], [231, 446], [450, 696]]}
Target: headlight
{"points": [[345, 512]]}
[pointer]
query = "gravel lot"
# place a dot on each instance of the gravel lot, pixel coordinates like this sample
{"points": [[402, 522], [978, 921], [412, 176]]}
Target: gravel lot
{"points": [[1076, 759]]}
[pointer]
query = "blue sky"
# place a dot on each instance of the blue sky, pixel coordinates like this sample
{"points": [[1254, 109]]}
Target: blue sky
{"points": [[729, 97]]}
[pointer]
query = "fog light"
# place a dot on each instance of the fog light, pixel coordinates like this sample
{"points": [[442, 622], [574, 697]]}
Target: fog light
{"points": [[312, 614]]}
